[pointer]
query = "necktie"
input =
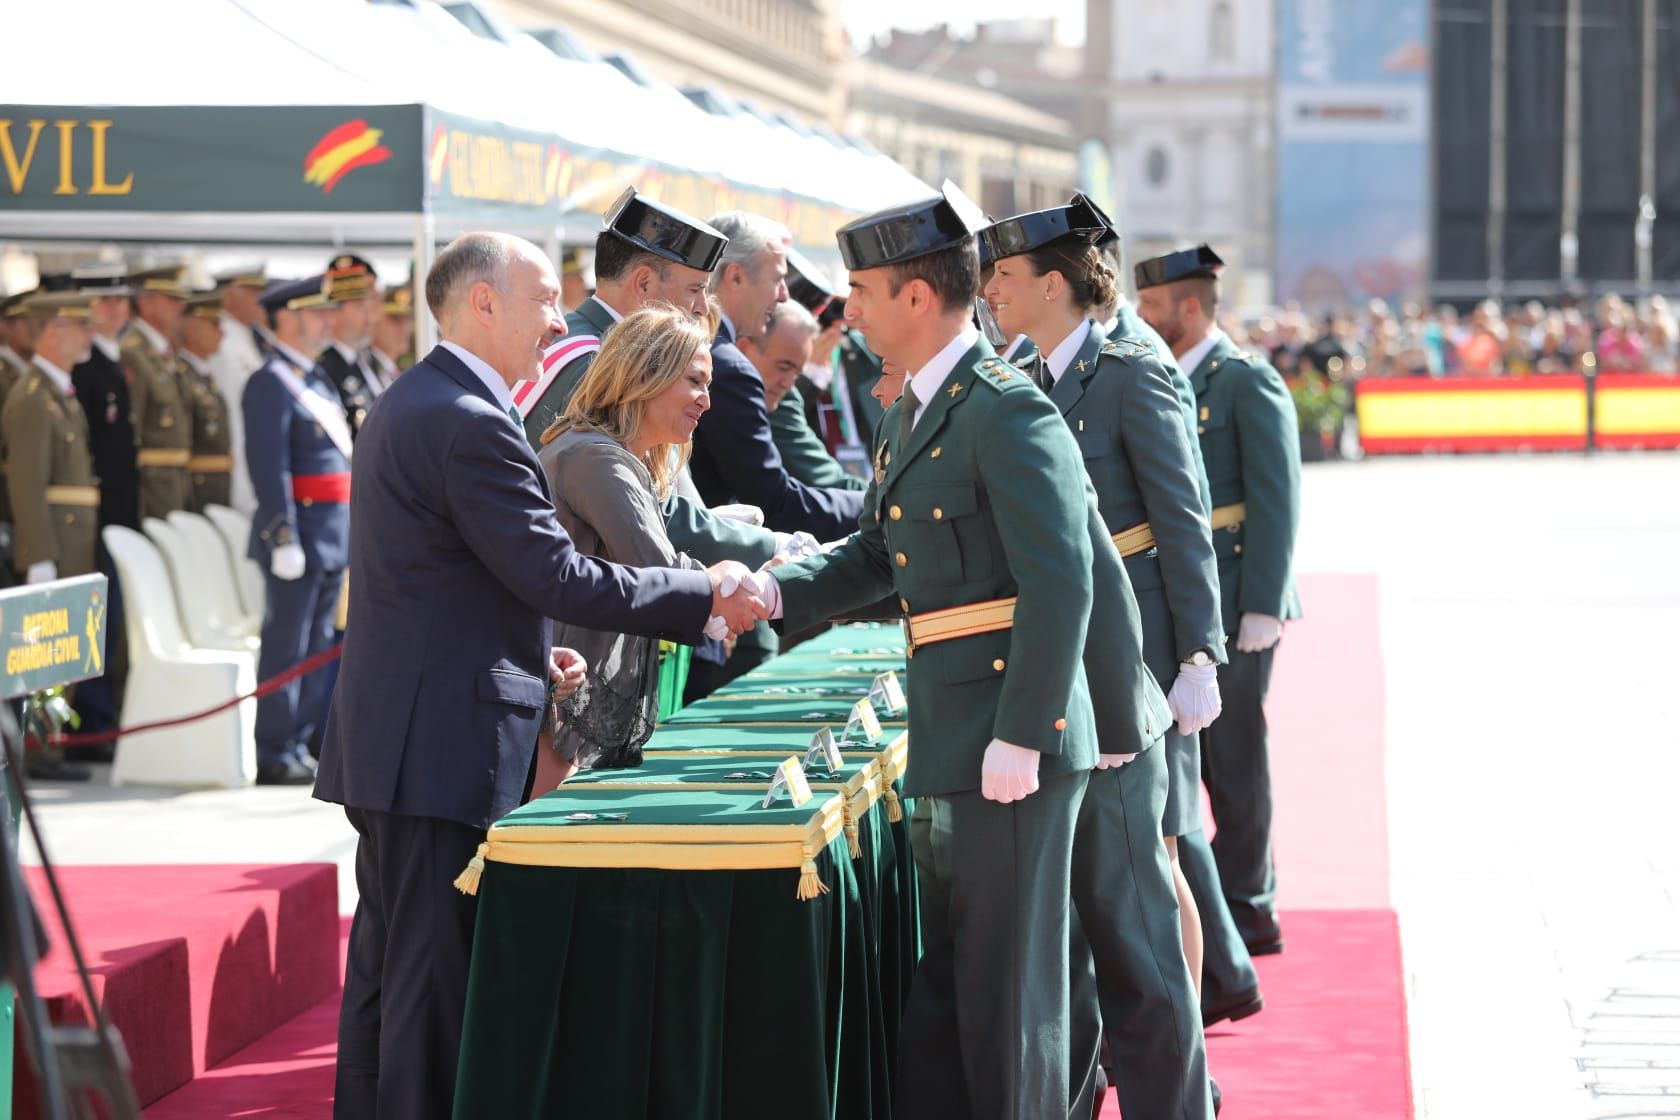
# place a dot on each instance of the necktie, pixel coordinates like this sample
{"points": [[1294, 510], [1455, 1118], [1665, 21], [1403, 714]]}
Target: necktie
{"points": [[1045, 381], [907, 406], [513, 414]]}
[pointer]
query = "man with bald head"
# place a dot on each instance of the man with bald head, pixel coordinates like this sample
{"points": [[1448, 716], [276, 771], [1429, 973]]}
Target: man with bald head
{"points": [[447, 672]]}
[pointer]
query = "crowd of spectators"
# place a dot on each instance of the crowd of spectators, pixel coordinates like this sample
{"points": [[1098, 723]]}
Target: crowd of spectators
{"points": [[1613, 335]]}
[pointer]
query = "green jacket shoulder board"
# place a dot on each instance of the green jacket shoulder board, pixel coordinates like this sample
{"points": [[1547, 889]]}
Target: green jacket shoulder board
{"points": [[999, 374], [1127, 348]]}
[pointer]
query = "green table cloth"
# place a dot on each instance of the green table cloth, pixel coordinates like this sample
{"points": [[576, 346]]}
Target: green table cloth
{"points": [[724, 710], [658, 954]]}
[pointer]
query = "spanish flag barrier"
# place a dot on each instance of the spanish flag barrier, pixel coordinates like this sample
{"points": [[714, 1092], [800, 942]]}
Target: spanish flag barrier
{"points": [[1564, 412]]}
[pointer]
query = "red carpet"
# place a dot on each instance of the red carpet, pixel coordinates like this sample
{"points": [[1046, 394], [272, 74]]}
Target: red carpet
{"points": [[192, 963], [1332, 1040]]}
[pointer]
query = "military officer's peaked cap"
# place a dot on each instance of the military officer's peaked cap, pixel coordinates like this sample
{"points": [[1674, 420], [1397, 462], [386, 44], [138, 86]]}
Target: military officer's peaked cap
{"points": [[101, 278], [350, 277], [296, 295], [1081, 220], [806, 284], [164, 280], [205, 305], [12, 306], [664, 232], [1182, 264], [913, 230], [246, 276], [70, 305], [399, 301]]}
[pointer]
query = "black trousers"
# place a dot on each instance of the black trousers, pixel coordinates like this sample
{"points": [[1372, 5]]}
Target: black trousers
{"points": [[297, 624], [405, 982], [1239, 784]]}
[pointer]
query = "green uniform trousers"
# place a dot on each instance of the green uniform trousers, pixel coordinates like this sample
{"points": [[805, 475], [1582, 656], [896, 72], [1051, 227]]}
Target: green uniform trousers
{"points": [[1127, 952], [984, 1034], [1239, 784]]}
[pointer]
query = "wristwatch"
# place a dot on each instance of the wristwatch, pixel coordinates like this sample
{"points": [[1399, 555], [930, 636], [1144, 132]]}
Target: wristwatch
{"points": [[1199, 658]]}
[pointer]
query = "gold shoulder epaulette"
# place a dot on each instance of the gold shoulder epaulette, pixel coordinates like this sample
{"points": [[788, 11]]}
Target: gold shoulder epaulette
{"points": [[999, 374]]}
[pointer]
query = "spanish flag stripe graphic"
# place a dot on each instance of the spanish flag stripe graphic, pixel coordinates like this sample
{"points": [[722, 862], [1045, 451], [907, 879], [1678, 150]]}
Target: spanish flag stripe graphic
{"points": [[347, 147]]}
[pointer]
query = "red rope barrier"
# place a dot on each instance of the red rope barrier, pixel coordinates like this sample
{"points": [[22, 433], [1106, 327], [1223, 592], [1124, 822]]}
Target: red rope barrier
{"points": [[272, 684]]}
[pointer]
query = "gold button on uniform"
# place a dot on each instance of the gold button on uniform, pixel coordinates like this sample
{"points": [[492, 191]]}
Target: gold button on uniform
{"points": [[902, 559], [998, 664], [1061, 725], [1238, 550], [895, 513], [935, 453], [938, 514], [904, 605]]}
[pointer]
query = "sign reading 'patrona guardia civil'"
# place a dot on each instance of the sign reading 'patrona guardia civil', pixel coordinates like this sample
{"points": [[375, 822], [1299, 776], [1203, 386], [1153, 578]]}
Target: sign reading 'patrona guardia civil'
{"points": [[52, 634]]}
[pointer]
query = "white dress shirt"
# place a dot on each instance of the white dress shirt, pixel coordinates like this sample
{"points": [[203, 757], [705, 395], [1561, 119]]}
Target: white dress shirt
{"points": [[235, 361], [481, 369], [1059, 359], [61, 380], [1193, 356], [161, 346], [926, 381], [110, 347]]}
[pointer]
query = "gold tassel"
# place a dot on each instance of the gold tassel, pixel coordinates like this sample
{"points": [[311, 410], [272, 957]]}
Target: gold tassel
{"points": [[895, 811], [853, 844], [810, 886], [467, 881]]}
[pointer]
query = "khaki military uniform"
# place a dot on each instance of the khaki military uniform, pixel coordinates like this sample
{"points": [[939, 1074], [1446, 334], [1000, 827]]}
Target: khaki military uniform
{"points": [[211, 465], [163, 421], [49, 476], [10, 375]]}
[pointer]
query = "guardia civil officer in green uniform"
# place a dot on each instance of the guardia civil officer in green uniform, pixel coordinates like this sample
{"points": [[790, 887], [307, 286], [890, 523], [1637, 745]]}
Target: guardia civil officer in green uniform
{"points": [[1224, 972], [977, 523], [162, 410], [50, 479], [211, 464], [1246, 422], [1125, 413]]}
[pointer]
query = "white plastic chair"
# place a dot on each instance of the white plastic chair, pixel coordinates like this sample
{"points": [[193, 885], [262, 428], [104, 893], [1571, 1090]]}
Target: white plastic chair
{"points": [[210, 550], [168, 678], [235, 528], [208, 623]]}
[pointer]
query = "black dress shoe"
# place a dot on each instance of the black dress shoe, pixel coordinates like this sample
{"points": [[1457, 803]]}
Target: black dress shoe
{"points": [[1240, 1006], [1218, 1097], [288, 772], [99, 752], [43, 769]]}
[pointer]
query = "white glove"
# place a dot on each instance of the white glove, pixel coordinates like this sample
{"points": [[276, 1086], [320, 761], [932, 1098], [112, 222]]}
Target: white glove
{"points": [[41, 571], [1008, 773], [769, 592], [287, 563], [716, 628], [1194, 698], [1256, 632], [830, 546], [796, 546], [1114, 761], [752, 515]]}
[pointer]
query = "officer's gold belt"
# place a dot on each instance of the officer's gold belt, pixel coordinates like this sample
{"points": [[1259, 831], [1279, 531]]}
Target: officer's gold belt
{"points": [[210, 463], [1140, 538], [958, 622], [73, 496], [164, 457]]}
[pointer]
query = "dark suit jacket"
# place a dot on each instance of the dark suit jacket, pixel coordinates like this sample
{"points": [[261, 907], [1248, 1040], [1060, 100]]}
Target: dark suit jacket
{"points": [[102, 387], [735, 459], [458, 567]]}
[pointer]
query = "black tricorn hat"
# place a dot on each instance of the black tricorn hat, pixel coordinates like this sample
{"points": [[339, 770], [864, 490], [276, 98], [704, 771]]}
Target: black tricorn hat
{"points": [[1181, 264], [1080, 219], [910, 231], [806, 284], [664, 231]]}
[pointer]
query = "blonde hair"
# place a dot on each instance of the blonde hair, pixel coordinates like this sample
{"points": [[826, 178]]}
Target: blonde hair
{"points": [[642, 357]]}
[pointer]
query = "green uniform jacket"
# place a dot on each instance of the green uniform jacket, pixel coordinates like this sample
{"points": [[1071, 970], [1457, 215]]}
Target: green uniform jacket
{"points": [[1130, 424], [211, 463], [590, 320], [47, 445], [162, 423], [1251, 446], [803, 453], [986, 500], [1021, 351], [862, 369], [1130, 327]]}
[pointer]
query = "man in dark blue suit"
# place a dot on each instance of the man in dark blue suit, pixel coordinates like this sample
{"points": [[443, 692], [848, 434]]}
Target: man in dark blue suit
{"points": [[735, 459], [297, 452], [459, 564]]}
